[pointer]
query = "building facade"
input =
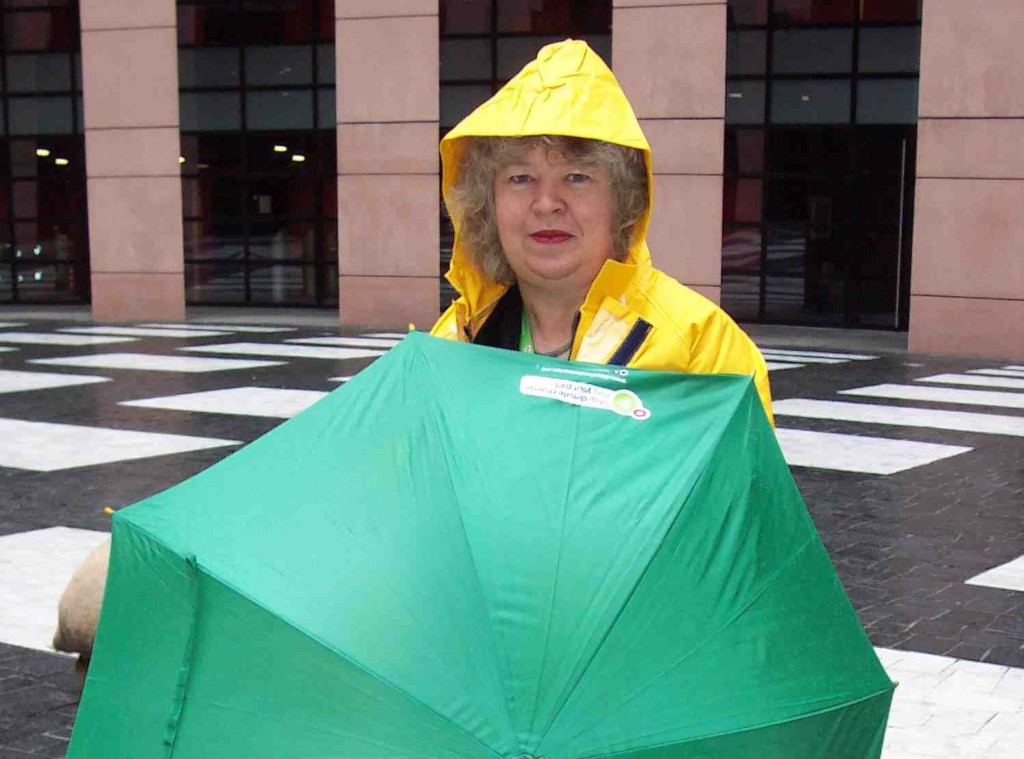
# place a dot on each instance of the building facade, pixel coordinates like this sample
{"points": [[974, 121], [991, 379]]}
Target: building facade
{"points": [[844, 163]]}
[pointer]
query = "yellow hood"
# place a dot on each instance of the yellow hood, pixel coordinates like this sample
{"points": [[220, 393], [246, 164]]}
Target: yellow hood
{"points": [[568, 91]]}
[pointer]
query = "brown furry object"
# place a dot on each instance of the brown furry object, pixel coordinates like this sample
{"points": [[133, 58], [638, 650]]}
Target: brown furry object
{"points": [[78, 611]]}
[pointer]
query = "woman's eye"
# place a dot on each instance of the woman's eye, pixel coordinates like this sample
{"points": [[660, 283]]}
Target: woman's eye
{"points": [[519, 179], [577, 176]]}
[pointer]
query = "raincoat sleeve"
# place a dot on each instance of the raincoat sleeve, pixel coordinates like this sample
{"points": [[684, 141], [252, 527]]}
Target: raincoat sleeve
{"points": [[446, 325], [723, 348]]}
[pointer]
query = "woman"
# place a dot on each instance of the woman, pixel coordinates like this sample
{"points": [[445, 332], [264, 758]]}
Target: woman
{"points": [[549, 188]]}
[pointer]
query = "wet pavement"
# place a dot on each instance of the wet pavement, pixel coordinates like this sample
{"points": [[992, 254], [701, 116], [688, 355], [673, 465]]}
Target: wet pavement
{"points": [[918, 494]]}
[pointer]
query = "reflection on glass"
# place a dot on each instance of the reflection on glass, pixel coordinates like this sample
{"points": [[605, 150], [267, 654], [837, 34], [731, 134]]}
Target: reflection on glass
{"points": [[812, 51], [208, 67], [327, 113], [216, 239], [279, 283], [210, 111], [45, 72], [209, 194], [325, 62], [744, 151], [46, 282], [822, 152], [278, 65], [744, 102], [813, 11], [741, 249], [745, 53], [40, 115], [516, 52], [281, 196], [214, 282], [747, 12], [890, 10], [554, 16], [461, 17], [282, 240], [890, 50], [887, 101], [33, 199], [742, 200], [213, 24], [741, 272], [465, 59], [279, 22], [808, 101], [279, 109], [458, 100], [39, 30]]}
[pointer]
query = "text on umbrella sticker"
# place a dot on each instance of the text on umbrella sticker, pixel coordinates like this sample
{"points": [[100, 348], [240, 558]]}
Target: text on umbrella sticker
{"points": [[622, 402]]}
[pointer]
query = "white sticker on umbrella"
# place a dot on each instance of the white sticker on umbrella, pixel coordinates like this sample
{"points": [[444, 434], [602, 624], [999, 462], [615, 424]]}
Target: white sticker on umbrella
{"points": [[622, 402]]}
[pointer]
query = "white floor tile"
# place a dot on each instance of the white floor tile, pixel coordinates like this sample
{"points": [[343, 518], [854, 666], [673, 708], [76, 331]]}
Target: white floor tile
{"points": [[963, 421], [143, 332], [17, 382], [7, 325], [1009, 576], [347, 342], [777, 366], [391, 335], [998, 372], [286, 351], [773, 356], [801, 354], [221, 327], [247, 401], [339, 379], [858, 453], [974, 380], [34, 568], [45, 338], [46, 447], [4, 349], [156, 363], [940, 395], [1014, 368]]}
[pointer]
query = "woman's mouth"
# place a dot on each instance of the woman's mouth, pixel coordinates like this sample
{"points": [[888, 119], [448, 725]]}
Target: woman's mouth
{"points": [[550, 236]]}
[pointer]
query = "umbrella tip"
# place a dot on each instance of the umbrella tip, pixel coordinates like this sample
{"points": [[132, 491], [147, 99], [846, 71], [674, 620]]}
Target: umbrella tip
{"points": [[107, 510], [412, 327]]}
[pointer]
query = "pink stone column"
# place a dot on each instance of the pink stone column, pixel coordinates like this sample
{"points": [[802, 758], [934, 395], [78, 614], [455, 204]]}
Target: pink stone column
{"points": [[388, 191], [130, 90], [967, 282], [669, 57]]}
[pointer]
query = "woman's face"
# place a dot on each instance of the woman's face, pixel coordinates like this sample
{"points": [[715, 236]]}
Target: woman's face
{"points": [[554, 220]]}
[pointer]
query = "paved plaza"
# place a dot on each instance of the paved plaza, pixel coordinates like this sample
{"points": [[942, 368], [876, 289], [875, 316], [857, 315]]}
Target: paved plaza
{"points": [[912, 468]]}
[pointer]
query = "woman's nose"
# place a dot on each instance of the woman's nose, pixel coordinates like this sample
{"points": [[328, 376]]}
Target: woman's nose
{"points": [[548, 198]]}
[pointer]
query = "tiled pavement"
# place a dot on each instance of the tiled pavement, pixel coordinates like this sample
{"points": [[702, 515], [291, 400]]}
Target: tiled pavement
{"points": [[912, 468]]}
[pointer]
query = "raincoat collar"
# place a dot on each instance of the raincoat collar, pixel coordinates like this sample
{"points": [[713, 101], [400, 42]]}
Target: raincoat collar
{"points": [[567, 91]]}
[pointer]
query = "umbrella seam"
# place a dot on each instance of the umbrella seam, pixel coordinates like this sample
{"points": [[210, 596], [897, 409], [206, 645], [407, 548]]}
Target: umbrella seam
{"points": [[640, 579], [750, 728], [200, 568]]}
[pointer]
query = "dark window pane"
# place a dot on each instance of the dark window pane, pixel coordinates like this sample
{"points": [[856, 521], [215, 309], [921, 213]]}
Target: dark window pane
{"points": [[821, 203], [818, 151], [327, 109], [784, 288], [742, 200], [554, 16], [516, 52], [813, 11], [890, 50], [279, 65], [744, 102], [325, 20], [281, 197], [206, 196], [882, 151], [747, 11], [279, 109], [40, 115], [49, 282], [39, 30], [45, 72], [272, 22], [741, 272], [211, 152], [210, 111], [329, 285], [46, 240], [744, 151], [457, 101], [812, 51], [54, 156], [214, 239], [208, 67], [325, 64], [465, 59], [811, 102], [273, 152], [329, 198], [887, 101], [214, 24], [746, 53], [282, 284], [465, 17], [214, 283], [890, 10], [329, 242], [880, 201], [281, 240], [53, 199], [741, 250]]}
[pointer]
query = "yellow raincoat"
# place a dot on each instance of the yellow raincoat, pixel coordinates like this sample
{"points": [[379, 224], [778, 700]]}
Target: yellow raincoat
{"points": [[634, 314]]}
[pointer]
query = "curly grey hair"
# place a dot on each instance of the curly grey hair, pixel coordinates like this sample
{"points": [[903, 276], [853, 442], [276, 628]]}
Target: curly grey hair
{"points": [[471, 198]]}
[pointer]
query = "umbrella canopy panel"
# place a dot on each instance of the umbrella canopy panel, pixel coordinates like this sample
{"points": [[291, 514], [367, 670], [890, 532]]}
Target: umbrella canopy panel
{"points": [[468, 552]]}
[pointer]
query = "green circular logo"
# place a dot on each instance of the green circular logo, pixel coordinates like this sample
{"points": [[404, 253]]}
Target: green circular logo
{"points": [[625, 402]]}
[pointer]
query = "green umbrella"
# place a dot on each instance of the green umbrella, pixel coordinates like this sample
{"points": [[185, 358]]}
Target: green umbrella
{"points": [[468, 552]]}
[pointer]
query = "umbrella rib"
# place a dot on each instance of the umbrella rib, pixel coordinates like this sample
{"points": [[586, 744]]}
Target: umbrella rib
{"points": [[745, 729], [358, 665]]}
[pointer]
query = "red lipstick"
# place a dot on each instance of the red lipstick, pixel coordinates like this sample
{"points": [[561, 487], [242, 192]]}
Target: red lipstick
{"points": [[550, 236]]}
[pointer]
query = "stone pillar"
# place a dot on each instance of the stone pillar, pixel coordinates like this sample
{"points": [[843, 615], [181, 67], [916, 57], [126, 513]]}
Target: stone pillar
{"points": [[967, 280], [130, 90], [388, 187], [669, 57]]}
